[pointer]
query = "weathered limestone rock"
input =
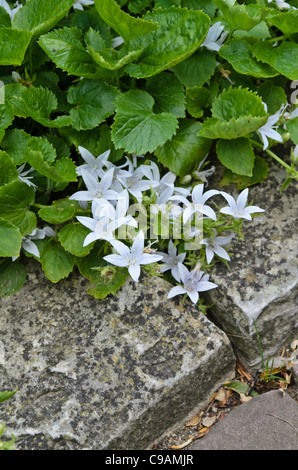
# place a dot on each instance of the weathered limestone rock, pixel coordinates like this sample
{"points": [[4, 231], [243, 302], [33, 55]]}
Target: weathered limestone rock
{"points": [[109, 374], [261, 284]]}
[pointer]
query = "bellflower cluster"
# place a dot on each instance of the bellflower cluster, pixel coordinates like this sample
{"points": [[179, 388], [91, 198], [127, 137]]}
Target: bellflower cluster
{"points": [[114, 191]]}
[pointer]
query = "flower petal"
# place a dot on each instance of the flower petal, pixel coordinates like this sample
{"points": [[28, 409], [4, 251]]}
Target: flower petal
{"points": [[135, 271], [88, 222], [147, 258], [209, 254], [203, 286], [194, 296], [29, 246], [183, 272], [177, 290], [242, 199], [86, 155], [221, 252], [116, 260]]}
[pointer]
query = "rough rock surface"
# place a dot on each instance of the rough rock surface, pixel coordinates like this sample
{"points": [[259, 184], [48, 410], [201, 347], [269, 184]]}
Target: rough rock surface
{"points": [[261, 282], [109, 374]]}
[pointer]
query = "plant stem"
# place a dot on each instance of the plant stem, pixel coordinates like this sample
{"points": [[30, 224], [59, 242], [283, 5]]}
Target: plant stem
{"points": [[273, 155], [39, 206], [279, 38]]}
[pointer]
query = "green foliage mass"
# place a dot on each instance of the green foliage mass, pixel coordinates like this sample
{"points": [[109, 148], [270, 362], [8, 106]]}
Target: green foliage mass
{"points": [[162, 90]]}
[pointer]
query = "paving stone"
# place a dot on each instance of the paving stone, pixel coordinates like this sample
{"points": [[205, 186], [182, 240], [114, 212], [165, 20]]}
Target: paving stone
{"points": [[260, 284], [104, 374], [266, 422]]}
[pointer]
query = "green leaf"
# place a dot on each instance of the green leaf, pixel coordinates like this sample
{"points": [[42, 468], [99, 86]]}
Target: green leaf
{"points": [[197, 69], [10, 239], [14, 44], [237, 102], [287, 22], [107, 281], [125, 25], [136, 128], [94, 101], [185, 150], [260, 173], [138, 6], [65, 49], [104, 280], [213, 128], [72, 237], [12, 278], [37, 103], [5, 19], [205, 5], [168, 94], [109, 58], [15, 144], [6, 395], [63, 171], [236, 112], [8, 171], [236, 386], [56, 262], [238, 53], [197, 98], [39, 16], [239, 15], [292, 126], [62, 210], [260, 31], [274, 96], [24, 219], [161, 47], [167, 3], [15, 195], [237, 155], [93, 260], [283, 58], [6, 118], [39, 153]]}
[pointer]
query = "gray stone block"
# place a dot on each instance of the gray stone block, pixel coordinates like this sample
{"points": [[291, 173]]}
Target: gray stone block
{"points": [[104, 374], [266, 422], [261, 282]]}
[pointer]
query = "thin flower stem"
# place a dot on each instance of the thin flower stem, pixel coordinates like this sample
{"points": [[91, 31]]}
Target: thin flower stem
{"points": [[279, 38], [39, 206], [273, 155]]}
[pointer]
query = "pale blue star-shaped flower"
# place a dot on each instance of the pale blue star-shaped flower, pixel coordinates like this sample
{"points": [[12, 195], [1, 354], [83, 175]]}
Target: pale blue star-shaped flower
{"points": [[236, 208], [93, 165], [267, 131], [194, 281], [214, 246], [135, 184], [215, 37], [171, 261], [198, 202], [96, 189], [132, 258]]}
